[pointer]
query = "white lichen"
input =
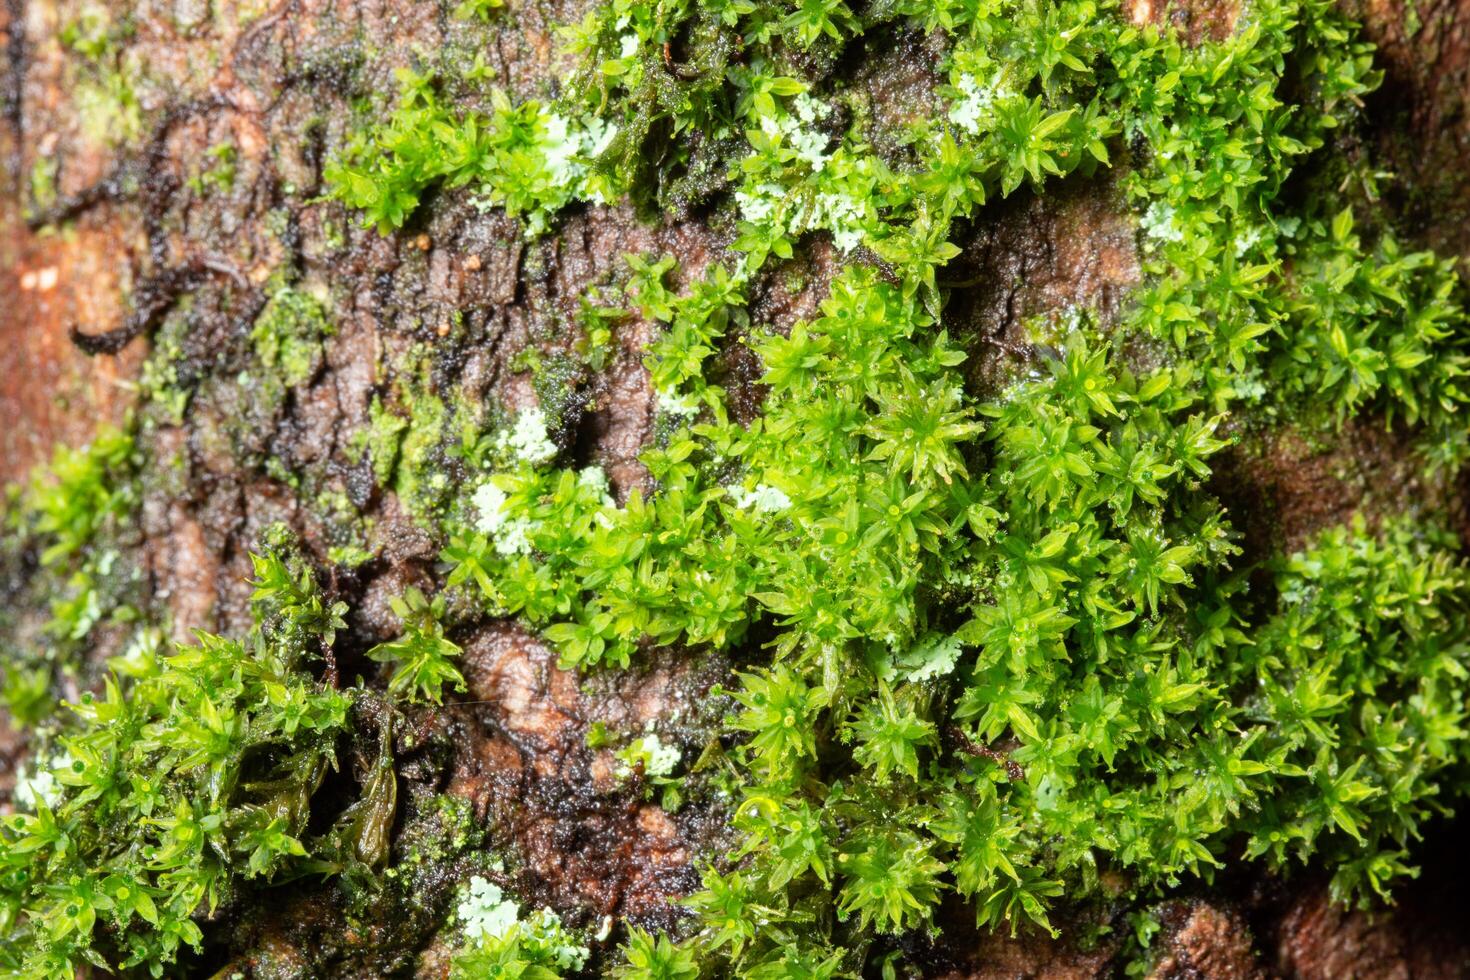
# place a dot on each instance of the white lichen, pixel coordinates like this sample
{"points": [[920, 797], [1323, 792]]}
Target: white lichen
{"points": [[659, 760], [569, 145], [811, 147], [975, 102], [528, 439], [809, 144], [515, 537], [597, 136], [759, 202], [486, 912], [809, 109], [595, 478], [673, 403], [560, 149], [763, 499], [1158, 224], [489, 501], [842, 216], [509, 532], [31, 791], [1247, 239], [932, 656], [491, 917]]}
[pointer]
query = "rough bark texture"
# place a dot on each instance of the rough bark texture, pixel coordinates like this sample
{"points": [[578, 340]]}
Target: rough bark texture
{"points": [[101, 235]]}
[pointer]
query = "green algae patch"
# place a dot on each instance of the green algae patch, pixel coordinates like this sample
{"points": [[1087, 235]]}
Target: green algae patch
{"points": [[287, 335]]}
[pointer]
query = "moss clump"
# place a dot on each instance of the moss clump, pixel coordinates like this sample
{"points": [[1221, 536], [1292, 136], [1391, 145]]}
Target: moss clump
{"points": [[79, 494], [529, 159], [191, 775], [65, 536], [1382, 331], [422, 657], [219, 176], [1008, 654]]}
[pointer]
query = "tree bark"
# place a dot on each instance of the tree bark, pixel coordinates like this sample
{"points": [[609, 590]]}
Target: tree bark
{"points": [[106, 252]]}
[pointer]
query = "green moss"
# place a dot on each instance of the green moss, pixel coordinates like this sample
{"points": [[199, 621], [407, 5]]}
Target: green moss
{"points": [[422, 656], [81, 491], [378, 442], [1038, 577], [165, 395], [346, 531], [445, 828], [652, 957], [528, 159], [420, 440], [193, 774], [73, 514], [42, 184], [95, 35], [992, 643], [419, 477]]}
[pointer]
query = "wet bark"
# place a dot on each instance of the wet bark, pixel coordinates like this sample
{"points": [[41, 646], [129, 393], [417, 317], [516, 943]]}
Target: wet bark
{"points": [[107, 251]]}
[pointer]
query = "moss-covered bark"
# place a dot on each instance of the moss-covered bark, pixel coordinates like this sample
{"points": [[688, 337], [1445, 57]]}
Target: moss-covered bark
{"points": [[178, 264]]}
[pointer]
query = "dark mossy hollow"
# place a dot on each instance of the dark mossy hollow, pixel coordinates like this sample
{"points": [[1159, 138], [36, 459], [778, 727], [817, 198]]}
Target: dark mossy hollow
{"points": [[734, 488]]}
